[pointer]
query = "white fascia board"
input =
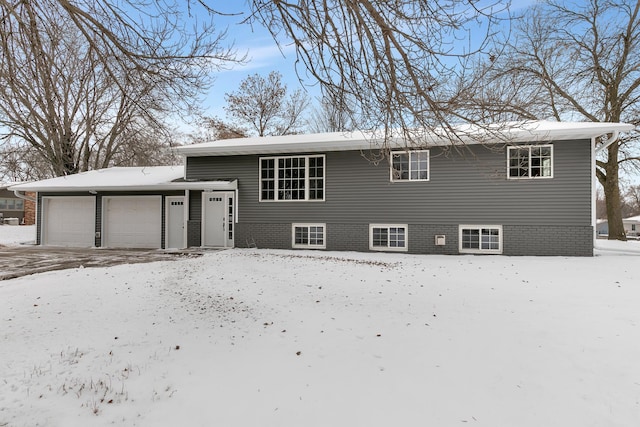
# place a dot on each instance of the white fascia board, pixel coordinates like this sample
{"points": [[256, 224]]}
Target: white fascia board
{"points": [[177, 186], [522, 132], [267, 147]]}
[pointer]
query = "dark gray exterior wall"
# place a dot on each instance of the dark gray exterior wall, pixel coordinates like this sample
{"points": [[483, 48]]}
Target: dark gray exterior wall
{"points": [[194, 236], [539, 216], [529, 240]]}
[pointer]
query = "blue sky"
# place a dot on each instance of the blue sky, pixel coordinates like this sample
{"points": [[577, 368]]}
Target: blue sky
{"points": [[264, 56]]}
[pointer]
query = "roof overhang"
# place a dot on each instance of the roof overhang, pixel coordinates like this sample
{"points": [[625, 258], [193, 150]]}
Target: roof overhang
{"points": [[177, 186], [136, 179], [512, 132]]}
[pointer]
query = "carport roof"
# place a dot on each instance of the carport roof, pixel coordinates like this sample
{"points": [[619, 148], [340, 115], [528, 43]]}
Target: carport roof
{"points": [[148, 178]]}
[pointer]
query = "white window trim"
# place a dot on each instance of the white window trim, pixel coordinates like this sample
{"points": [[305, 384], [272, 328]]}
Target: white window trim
{"points": [[479, 227], [388, 248], [306, 178], [14, 200], [517, 147], [409, 153], [308, 245]]}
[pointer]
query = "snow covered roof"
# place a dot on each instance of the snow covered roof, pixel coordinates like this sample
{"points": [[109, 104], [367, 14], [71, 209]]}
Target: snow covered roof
{"points": [[632, 219], [124, 178], [519, 132], [6, 184]]}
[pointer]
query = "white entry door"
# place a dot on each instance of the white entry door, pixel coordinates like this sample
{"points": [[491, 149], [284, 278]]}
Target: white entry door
{"points": [[218, 218], [175, 222]]}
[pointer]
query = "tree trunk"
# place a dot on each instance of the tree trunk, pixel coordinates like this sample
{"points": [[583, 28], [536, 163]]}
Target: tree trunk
{"points": [[612, 196]]}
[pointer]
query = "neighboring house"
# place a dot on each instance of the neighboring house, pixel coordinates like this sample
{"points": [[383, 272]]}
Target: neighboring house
{"points": [[602, 227], [11, 206], [632, 226], [528, 191]]}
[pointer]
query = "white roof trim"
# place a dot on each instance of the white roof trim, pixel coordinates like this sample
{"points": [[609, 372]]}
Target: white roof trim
{"points": [[176, 186], [515, 132], [154, 178]]}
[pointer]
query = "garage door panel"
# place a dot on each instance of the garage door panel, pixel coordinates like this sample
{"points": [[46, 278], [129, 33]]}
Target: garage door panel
{"points": [[133, 222], [69, 221]]}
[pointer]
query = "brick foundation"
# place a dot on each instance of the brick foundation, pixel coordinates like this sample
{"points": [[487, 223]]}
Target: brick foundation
{"points": [[528, 240]]}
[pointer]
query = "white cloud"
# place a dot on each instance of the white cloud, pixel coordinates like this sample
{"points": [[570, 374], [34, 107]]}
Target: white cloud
{"points": [[268, 55]]}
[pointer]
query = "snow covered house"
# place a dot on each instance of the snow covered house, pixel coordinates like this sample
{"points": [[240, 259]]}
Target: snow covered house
{"points": [[632, 226], [11, 206], [527, 189]]}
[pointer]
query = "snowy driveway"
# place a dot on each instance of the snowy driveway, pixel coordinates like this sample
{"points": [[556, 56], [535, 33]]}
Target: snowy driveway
{"points": [[18, 261]]}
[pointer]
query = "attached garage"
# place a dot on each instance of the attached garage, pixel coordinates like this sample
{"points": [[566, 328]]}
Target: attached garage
{"points": [[119, 207], [68, 221], [132, 221]]}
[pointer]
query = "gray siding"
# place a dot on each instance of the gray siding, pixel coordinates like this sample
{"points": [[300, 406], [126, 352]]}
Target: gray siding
{"points": [[539, 216], [194, 236], [463, 189]]}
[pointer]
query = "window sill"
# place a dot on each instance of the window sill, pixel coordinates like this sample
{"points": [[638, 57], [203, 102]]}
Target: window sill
{"points": [[385, 249]]}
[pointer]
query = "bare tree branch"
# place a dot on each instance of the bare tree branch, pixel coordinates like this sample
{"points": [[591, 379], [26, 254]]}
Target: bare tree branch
{"points": [[265, 105], [397, 60], [572, 62], [78, 105]]}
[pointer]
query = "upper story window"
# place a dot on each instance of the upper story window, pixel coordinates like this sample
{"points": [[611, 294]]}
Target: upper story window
{"points": [[292, 178], [533, 161], [410, 165]]}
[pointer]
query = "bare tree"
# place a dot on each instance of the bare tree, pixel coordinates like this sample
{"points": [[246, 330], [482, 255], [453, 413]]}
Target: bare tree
{"points": [[333, 114], [214, 129], [265, 105], [579, 61], [397, 60], [82, 87], [632, 200], [19, 162], [601, 205]]}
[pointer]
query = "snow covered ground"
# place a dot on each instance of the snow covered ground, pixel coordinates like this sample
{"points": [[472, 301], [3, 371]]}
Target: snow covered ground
{"points": [[299, 338], [12, 235]]}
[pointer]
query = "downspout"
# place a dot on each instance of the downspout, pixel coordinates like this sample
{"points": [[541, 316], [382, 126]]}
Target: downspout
{"points": [[594, 186], [608, 142], [594, 152], [22, 195]]}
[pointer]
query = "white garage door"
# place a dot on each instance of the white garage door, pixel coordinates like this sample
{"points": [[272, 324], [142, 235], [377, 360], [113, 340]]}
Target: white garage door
{"points": [[69, 221], [132, 222]]}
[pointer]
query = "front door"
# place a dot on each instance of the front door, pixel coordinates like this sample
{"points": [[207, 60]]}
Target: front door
{"points": [[175, 222], [217, 218]]}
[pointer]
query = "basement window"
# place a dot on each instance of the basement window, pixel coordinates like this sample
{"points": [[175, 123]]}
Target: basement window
{"points": [[480, 239], [308, 236], [388, 237]]}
